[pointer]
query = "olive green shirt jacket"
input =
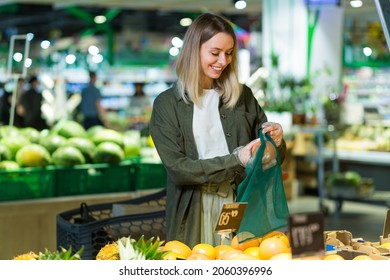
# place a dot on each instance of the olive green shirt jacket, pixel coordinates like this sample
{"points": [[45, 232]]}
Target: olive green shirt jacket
{"points": [[171, 130]]}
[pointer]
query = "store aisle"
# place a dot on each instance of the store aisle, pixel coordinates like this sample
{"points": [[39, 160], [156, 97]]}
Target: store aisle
{"points": [[361, 219]]}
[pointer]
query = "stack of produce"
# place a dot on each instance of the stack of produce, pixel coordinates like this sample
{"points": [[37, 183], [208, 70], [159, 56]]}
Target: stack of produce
{"points": [[66, 144]]}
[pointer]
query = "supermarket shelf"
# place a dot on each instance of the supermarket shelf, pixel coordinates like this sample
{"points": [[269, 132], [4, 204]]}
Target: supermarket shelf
{"points": [[368, 157], [380, 198]]}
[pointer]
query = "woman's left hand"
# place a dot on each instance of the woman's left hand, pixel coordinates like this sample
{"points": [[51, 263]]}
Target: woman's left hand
{"points": [[275, 130]]}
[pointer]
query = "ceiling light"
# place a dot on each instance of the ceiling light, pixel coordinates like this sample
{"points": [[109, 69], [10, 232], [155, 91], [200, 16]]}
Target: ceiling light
{"points": [[177, 42], [100, 19], [174, 51], [356, 3], [185, 22], [93, 50], [45, 44], [18, 57], [240, 4]]}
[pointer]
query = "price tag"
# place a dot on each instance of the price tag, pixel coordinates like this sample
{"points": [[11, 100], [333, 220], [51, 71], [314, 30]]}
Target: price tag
{"points": [[386, 228], [307, 234], [230, 218]]}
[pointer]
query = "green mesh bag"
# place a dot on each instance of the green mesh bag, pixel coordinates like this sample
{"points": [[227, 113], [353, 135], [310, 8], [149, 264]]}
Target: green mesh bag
{"points": [[263, 190]]}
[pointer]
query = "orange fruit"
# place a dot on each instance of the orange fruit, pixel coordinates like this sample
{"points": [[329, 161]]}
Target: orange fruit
{"points": [[271, 247], [362, 258], [204, 248], [333, 257], [172, 256], [242, 246], [198, 256], [221, 249], [244, 257], [278, 234], [255, 147], [282, 256], [178, 247], [253, 251], [230, 254]]}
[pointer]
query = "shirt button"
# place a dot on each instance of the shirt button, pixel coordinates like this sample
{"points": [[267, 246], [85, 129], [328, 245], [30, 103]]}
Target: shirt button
{"points": [[228, 134]]}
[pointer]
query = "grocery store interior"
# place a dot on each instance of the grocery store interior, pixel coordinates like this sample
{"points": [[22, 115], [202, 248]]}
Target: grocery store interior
{"points": [[320, 68]]}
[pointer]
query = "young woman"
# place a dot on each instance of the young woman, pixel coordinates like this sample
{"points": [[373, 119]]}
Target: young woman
{"points": [[203, 128]]}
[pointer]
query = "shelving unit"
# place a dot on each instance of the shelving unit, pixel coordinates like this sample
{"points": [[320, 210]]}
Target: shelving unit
{"points": [[367, 98], [367, 163]]}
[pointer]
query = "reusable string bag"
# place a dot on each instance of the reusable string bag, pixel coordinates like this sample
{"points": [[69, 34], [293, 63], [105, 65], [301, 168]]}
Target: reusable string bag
{"points": [[263, 190]]}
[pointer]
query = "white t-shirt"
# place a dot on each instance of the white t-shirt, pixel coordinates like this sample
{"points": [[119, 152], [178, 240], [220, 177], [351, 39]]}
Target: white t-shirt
{"points": [[207, 128]]}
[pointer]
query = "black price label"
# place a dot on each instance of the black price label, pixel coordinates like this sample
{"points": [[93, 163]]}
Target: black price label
{"points": [[230, 217], [307, 234]]}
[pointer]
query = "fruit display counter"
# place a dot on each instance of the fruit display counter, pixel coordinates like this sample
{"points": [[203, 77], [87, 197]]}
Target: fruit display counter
{"points": [[30, 225], [69, 160]]}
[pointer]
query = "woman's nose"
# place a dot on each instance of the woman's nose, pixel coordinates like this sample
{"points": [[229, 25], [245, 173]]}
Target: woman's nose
{"points": [[222, 59]]}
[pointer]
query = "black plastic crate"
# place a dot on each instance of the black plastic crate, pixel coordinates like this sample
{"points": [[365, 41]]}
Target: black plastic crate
{"points": [[103, 228]]}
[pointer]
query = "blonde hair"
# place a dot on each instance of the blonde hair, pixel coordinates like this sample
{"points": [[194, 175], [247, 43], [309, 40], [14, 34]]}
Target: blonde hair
{"points": [[188, 67]]}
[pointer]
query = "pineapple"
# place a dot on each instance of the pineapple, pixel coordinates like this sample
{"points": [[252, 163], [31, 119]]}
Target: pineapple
{"points": [[64, 254], [127, 248], [109, 252], [48, 255], [30, 256]]}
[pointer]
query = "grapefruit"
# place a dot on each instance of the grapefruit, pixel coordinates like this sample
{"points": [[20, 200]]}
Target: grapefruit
{"points": [[332, 257], [242, 246], [180, 249], [198, 256], [204, 248], [230, 254], [253, 251], [362, 258], [272, 246], [221, 249]]}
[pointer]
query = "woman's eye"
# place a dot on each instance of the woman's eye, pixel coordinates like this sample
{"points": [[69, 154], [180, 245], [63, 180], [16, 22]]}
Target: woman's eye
{"points": [[215, 54]]}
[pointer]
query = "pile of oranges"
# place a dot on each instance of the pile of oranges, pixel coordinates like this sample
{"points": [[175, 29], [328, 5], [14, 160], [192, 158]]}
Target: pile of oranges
{"points": [[274, 245]]}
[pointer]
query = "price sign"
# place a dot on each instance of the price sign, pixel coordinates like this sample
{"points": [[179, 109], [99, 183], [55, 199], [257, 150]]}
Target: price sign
{"points": [[306, 234], [230, 217]]}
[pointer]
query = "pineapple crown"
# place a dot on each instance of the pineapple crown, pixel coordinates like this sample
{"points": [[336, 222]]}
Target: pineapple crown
{"points": [[131, 249]]}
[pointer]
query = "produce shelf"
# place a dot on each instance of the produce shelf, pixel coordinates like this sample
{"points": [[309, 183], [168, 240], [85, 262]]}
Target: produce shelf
{"points": [[29, 183]]}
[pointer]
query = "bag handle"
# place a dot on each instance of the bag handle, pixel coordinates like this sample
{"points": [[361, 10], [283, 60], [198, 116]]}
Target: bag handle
{"points": [[84, 211], [268, 138]]}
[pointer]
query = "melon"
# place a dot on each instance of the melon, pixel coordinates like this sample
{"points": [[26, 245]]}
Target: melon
{"points": [[33, 155], [69, 128], [68, 156], [52, 142], [108, 135], [108, 152], [5, 152], [86, 147]]}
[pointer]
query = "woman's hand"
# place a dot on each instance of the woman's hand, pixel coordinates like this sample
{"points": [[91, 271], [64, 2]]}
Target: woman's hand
{"points": [[245, 153], [275, 131]]}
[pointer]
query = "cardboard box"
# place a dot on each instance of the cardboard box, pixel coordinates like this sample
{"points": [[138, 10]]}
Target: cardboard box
{"points": [[349, 247]]}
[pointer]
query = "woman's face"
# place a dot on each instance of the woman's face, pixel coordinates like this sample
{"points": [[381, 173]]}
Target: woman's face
{"points": [[215, 55]]}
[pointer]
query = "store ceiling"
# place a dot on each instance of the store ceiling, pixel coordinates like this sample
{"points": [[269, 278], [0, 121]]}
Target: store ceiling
{"points": [[164, 5], [48, 17], [43, 17]]}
